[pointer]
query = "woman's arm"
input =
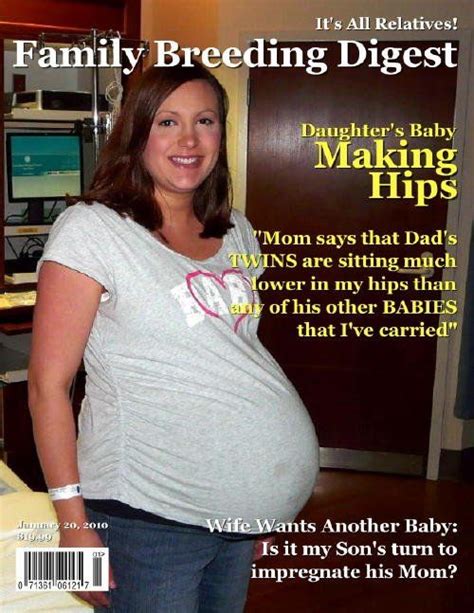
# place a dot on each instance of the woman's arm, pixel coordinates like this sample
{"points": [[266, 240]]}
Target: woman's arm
{"points": [[67, 302]]}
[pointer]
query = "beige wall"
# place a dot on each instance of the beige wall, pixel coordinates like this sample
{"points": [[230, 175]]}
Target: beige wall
{"points": [[192, 23], [225, 23]]}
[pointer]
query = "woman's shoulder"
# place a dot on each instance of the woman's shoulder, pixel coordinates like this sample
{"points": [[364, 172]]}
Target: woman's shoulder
{"points": [[81, 215], [242, 226], [79, 240], [238, 218], [87, 210], [246, 239]]}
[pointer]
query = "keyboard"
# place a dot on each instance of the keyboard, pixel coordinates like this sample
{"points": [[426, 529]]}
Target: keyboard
{"points": [[20, 265]]}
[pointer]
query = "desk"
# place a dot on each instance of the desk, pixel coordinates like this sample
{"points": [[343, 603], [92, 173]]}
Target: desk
{"points": [[16, 311], [13, 366], [19, 450], [23, 505]]}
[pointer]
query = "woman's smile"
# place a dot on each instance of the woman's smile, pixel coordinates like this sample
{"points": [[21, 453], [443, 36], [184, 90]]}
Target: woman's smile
{"points": [[186, 162]]}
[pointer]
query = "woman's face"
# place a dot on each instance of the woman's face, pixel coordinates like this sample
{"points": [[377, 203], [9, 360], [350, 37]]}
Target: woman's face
{"points": [[184, 140]]}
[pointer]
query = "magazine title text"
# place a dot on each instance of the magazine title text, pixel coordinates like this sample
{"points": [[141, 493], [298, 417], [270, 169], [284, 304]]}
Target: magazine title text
{"points": [[388, 59]]}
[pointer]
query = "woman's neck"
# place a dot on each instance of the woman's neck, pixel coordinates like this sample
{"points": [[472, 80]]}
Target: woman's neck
{"points": [[177, 212]]}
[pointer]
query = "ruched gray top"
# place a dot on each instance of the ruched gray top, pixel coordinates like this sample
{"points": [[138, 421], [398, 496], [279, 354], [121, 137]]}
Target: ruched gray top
{"points": [[186, 414]]}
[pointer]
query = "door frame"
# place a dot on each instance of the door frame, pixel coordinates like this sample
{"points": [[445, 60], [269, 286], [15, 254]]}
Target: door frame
{"points": [[445, 429]]}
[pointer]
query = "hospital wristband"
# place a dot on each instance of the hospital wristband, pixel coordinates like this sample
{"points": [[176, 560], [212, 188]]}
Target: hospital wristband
{"points": [[65, 492]]}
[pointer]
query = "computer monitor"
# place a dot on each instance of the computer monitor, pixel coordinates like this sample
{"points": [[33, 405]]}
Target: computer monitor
{"points": [[43, 166]]}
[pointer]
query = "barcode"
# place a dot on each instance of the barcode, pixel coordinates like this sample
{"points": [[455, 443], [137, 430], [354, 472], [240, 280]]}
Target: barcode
{"points": [[62, 569]]}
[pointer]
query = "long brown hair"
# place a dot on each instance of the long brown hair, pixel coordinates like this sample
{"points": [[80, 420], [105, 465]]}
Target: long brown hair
{"points": [[121, 180]]}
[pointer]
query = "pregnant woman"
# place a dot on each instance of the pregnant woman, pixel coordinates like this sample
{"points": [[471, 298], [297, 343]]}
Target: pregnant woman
{"points": [[187, 418]]}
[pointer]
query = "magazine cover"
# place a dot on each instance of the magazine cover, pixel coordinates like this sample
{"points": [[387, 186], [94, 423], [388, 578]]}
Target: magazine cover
{"points": [[275, 406]]}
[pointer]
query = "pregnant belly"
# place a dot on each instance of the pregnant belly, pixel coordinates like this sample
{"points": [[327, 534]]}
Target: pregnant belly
{"points": [[220, 461], [266, 467]]}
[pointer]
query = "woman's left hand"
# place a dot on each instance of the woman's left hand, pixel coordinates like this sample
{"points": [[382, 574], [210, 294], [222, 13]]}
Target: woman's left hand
{"points": [[258, 549]]}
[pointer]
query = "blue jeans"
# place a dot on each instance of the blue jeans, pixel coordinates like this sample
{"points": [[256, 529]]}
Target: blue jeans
{"points": [[173, 569]]}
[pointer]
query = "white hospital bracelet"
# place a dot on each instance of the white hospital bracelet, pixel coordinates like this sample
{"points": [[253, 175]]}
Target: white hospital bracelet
{"points": [[63, 493]]}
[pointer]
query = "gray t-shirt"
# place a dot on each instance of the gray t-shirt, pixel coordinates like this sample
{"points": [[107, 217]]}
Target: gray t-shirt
{"points": [[186, 414]]}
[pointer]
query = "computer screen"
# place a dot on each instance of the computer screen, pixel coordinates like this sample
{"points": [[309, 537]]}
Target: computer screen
{"points": [[43, 166]]}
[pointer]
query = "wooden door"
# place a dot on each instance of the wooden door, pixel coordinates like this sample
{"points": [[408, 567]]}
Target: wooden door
{"points": [[370, 398]]}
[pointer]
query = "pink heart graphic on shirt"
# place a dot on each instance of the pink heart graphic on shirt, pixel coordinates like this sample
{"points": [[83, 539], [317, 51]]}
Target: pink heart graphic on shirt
{"points": [[220, 280]]}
